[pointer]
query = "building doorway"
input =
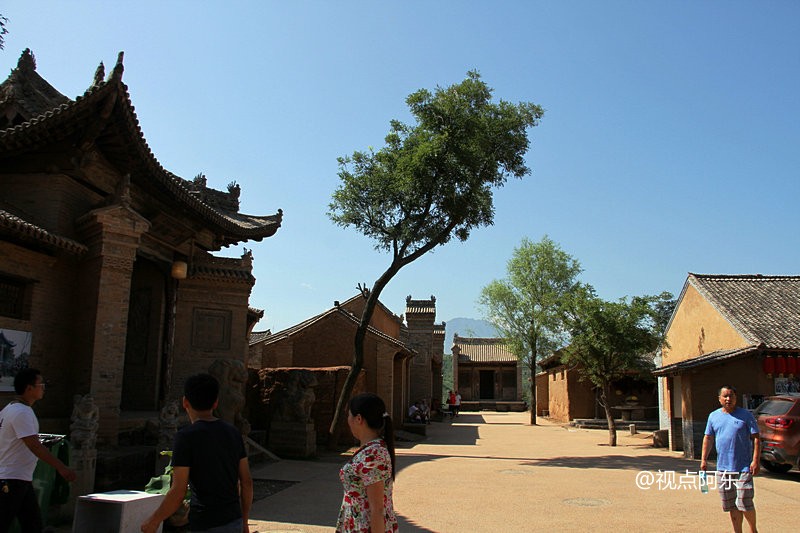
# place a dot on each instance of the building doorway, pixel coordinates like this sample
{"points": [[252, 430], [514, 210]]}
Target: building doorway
{"points": [[487, 384], [143, 346]]}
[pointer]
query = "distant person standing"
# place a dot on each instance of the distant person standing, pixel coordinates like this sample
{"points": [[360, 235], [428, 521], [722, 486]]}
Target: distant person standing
{"points": [[734, 432], [451, 403], [19, 450], [368, 477], [208, 455], [457, 403]]}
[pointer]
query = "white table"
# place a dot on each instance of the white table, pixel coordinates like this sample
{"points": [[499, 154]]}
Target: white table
{"points": [[118, 511]]}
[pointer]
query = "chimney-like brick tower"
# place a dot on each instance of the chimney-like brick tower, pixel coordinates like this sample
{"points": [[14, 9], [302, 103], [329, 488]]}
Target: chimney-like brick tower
{"points": [[437, 355], [420, 318]]}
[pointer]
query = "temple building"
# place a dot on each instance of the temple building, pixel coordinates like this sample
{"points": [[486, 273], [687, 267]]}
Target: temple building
{"points": [[107, 261], [487, 374]]}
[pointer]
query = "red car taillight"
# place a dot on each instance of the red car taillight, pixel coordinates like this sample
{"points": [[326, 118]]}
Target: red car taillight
{"points": [[777, 422]]}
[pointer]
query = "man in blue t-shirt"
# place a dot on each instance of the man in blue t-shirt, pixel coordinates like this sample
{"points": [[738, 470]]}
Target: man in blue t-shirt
{"points": [[210, 457], [734, 431]]}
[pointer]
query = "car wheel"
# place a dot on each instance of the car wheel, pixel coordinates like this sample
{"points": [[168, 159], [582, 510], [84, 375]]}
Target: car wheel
{"points": [[778, 468]]}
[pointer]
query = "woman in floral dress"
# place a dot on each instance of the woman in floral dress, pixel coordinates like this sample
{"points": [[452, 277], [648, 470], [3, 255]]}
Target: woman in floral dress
{"points": [[368, 476]]}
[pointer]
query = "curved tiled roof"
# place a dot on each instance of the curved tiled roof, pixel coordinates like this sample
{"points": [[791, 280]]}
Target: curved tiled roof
{"points": [[764, 309], [704, 360], [106, 110], [482, 350], [28, 231], [258, 336]]}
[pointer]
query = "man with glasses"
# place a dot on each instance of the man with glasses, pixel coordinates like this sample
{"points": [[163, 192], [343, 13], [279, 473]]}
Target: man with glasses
{"points": [[734, 432], [19, 450]]}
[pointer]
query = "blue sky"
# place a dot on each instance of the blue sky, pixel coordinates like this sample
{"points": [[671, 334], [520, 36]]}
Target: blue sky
{"points": [[670, 142]]}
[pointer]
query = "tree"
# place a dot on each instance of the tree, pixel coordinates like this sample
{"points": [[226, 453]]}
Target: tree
{"points": [[613, 339], [526, 306], [432, 181]]}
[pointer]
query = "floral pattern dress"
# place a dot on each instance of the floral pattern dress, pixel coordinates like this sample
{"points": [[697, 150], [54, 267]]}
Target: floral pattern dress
{"points": [[370, 464]]}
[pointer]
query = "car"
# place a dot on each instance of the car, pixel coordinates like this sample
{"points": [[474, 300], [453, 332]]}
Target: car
{"points": [[778, 420]]}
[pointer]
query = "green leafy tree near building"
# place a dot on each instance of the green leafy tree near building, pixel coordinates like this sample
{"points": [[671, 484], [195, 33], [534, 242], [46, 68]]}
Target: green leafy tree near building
{"points": [[527, 306], [611, 340], [430, 183]]}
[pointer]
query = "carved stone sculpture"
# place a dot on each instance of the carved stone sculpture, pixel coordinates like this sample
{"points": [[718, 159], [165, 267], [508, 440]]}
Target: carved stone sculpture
{"points": [[292, 431], [232, 377], [294, 401], [168, 425], [85, 421]]}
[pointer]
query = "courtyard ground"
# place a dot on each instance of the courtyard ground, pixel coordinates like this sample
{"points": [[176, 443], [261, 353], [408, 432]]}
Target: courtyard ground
{"points": [[490, 472]]}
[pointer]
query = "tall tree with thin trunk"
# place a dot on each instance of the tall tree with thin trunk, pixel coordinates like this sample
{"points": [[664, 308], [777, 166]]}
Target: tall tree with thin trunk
{"points": [[611, 340], [526, 306], [431, 182]]}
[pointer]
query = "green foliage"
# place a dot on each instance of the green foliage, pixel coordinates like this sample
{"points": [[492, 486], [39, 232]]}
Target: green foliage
{"points": [[527, 306], [432, 181], [447, 374], [611, 340], [161, 484]]}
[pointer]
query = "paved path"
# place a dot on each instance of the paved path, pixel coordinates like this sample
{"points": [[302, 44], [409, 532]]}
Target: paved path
{"points": [[491, 472]]}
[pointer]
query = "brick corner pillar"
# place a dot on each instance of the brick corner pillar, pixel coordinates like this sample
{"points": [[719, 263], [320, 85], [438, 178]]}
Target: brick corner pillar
{"points": [[112, 234]]}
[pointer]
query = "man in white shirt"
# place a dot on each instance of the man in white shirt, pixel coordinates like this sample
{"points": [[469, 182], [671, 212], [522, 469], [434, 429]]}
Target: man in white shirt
{"points": [[414, 413], [19, 451]]}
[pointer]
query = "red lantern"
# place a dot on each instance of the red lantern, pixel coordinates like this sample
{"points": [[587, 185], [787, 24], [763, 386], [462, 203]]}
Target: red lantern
{"points": [[780, 364], [791, 365], [768, 365]]}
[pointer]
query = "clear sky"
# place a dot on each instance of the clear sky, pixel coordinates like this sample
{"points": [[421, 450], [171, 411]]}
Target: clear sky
{"points": [[670, 142]]}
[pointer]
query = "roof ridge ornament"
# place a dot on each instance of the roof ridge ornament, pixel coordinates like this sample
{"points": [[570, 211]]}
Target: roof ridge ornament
{"points": [[116, 74], [27, 61], [99, 74]]}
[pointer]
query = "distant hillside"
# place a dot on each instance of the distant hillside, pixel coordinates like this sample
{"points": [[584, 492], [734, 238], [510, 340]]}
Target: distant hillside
{"points": [[466, 327]]}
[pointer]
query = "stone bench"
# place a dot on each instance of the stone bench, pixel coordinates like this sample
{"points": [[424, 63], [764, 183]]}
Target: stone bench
{"points": [[418, 428]]}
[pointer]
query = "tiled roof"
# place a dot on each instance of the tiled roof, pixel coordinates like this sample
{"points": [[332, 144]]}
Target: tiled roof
{"points": [[482, 350], [258, 336], [704, 360], [269, 339], [27, 231], [765, 310], [105, 111], [421, 306], [26, 91]]}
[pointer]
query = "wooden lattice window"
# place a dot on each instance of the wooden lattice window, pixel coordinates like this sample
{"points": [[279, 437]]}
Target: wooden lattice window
{"points": [[13, 293]]}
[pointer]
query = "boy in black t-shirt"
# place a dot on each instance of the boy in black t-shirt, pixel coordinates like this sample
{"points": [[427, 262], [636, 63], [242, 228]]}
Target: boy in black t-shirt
{"points": [[208, 455]]}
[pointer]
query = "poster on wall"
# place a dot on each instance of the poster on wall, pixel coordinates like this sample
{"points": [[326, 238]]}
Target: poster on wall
{"points": [[784, 385], [15, 347]]}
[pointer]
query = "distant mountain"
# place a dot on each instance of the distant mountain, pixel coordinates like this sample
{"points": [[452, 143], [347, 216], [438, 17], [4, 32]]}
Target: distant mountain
{"points": [[466, 327]]}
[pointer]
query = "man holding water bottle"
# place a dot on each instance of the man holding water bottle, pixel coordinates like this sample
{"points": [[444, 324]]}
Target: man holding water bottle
{"points": [[734, 432]]}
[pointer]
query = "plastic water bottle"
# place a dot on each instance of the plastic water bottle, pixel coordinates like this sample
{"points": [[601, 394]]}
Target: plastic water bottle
{"points": [[703, 482]]}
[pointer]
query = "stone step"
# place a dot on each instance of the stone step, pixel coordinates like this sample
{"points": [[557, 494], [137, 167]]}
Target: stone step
{"points": [[602, 423]]}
